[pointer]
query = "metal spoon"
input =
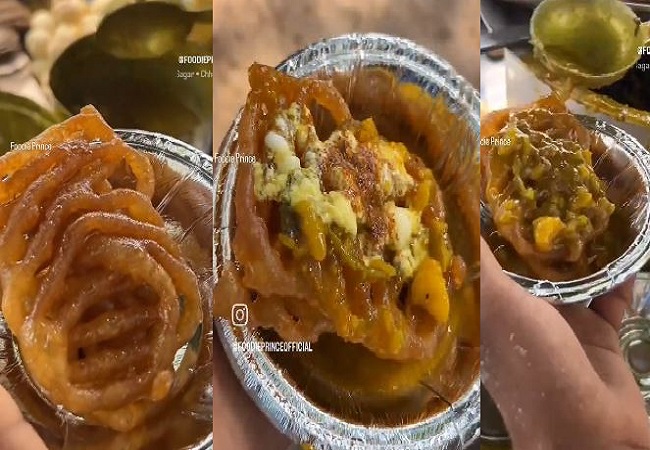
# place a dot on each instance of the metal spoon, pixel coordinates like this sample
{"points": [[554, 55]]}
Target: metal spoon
{"points": [[592, 42], [147, 30]]}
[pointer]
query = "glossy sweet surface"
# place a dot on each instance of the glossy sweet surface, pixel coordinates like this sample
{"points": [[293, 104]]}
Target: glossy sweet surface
{"points": [[547, 201], [401, 330], [311, 277], [341, 395], [95, 287], [546, 198]]}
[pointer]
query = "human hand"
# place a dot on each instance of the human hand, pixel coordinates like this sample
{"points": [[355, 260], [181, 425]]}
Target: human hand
{"points": [[15, 432], [557, 375], [238, 423]]}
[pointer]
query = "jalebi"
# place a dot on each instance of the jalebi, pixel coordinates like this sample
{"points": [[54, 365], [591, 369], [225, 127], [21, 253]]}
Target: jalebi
{"points": [[94, 288]]}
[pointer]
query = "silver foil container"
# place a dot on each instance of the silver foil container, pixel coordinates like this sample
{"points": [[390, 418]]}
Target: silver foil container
{"points": [[288, 408], [192, 186], [629, 189], [184, 195]]}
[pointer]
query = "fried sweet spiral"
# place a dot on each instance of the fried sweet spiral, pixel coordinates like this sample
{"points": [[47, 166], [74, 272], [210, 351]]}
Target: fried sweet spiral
{"points": [[302, 297], [546, 198], [94, 289]]}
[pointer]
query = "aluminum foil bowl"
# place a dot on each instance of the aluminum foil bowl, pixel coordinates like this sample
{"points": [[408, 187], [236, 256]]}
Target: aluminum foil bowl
{"points": [[626, 169], [184, 195], [268, 384]]}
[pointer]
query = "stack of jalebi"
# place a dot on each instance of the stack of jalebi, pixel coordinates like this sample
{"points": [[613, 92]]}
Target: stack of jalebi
{"points": [[546, 198], [327, 286], [94, 289]]}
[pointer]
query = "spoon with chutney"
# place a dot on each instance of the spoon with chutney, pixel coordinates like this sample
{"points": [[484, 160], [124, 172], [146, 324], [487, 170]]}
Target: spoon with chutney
{"points": [[593, 43]]}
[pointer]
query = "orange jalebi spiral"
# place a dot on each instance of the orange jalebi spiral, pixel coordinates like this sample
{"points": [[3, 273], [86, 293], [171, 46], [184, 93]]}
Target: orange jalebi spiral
{"points": [[549, 152], [94, 289], [301, 298]]}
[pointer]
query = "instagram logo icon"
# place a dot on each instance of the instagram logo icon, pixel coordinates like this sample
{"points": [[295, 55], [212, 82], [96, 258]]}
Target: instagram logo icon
{"points": [[239, 315]]}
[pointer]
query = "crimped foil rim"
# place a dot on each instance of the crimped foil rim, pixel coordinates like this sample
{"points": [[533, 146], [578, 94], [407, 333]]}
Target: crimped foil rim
{"points": [[183, 153], [618, 271], [177, 151], [287, 408], [173, 148]]}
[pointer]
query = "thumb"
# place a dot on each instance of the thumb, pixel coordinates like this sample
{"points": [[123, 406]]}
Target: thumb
{"points": [[15, 432], [530, 357], [597, 327], [520, 333]]}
